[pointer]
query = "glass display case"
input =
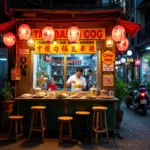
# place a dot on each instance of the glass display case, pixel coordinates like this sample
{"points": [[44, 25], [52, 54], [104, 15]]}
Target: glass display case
{"points": [[51, 72]]}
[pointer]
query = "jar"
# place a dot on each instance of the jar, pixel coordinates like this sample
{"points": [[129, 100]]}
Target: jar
{"points": [[93, 91], [103, 92]]}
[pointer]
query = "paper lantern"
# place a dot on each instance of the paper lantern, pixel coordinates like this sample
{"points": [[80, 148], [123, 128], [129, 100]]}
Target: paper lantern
{"points": [[123, 45], [109, 42], [48, 33], [24, 32], [30, 42], [118, 33], [73, 34], [9, 39]]}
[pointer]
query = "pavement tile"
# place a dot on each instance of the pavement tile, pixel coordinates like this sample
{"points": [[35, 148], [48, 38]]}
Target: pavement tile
{"points": [[135, 134], [52, 145]]}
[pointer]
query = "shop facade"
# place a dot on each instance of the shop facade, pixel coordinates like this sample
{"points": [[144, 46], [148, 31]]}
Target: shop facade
{"points": [[59, 59], [45, 63]]}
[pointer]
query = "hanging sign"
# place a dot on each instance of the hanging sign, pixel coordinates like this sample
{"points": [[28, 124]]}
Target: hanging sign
{"points": [[108, 80], [85, 33], [130, 60], [15, 74], [64, 47], [23, 51], [137, 62], [108, 57], [108, 67]]}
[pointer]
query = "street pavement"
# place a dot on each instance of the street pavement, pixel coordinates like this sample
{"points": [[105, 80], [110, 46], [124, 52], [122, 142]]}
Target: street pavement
{"points": [[135, 132]]}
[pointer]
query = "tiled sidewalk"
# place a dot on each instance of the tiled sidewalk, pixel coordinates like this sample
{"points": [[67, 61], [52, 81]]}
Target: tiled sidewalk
{"points": [[136, 136], [52, 145]]}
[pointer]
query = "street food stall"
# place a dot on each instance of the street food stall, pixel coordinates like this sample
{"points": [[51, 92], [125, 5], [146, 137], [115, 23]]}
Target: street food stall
{"points": [[49, 52], [53, 63]]}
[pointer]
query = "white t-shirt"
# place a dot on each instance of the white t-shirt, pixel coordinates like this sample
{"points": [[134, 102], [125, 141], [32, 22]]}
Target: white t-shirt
{"points": [[78, 82]]}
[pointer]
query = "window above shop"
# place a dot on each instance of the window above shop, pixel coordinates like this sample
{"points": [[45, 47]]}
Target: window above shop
{"points": [[59, 4], [49, 70]]}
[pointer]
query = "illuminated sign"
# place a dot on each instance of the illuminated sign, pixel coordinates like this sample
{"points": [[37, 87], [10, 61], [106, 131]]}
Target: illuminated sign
{"points": [[64, 47], [108, 57], [85, 33]]}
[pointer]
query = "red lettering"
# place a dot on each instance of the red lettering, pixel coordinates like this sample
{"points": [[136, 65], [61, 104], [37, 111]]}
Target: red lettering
{"points": [[73, 49], [99, 34], [47, 48], [40, 34], [91, 48], [66, 34], [82, 49], [86, 33], [108, 55], [62, 34], [35, 33], [56, 34], [108, 59], [64, 48], [39, 48], [93, 33], [56, 48]]}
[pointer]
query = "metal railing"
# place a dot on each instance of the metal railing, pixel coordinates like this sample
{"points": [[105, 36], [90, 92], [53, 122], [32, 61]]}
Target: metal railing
{"points": [[29, 4], [143, 34]]}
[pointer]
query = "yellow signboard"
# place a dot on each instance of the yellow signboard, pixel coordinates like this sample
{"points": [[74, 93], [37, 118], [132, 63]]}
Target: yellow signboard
{"points": [[108, 57], [63, 47]]}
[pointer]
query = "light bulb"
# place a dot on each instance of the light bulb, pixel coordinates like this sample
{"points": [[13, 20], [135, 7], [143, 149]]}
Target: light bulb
{"points": [[129, 52], [123, 60]]}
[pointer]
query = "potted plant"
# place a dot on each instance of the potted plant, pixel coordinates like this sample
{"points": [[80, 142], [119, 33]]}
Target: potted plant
{"points": [[7, 94], [120, 93], [148, 86]]}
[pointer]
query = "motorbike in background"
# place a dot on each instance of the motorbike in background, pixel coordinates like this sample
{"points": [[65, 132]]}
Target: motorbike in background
{"points": [[139, 100]]}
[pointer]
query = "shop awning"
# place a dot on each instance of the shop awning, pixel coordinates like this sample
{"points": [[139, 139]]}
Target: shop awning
{"points": [[4, 27], [131, 27]]}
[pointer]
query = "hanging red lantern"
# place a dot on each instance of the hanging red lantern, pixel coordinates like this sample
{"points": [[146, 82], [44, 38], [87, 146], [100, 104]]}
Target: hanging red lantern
{"points": [[24, 32], [73, 34], [118, 33], [9, 39], [123, 45], [48, 33]]}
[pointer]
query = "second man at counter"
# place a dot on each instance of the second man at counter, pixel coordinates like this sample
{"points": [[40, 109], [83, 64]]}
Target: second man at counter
{"points": [[77, 81]]}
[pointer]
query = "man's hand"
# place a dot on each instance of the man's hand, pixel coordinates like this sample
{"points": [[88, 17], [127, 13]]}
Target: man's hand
{"points": [[83, 87]]}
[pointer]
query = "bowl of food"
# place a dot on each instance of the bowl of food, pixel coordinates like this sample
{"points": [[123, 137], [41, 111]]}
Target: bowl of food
{"points": [[62, 95], [39, 95], [88, 96], [27, 95]]}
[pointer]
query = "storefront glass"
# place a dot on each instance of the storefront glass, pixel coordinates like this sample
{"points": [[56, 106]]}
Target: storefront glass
{"points": [[145, 69], [3, 66], [49, 70]]}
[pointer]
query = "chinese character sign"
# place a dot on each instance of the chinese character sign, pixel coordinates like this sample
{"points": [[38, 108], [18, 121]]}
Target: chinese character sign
{"points": [[64, 47]]}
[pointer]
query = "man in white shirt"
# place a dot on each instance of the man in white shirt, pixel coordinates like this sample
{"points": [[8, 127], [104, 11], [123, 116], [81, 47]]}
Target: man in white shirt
{"points": [[77, 81]]}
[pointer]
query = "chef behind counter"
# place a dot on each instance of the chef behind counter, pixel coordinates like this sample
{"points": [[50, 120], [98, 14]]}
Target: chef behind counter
{"points": [[77, 81]]}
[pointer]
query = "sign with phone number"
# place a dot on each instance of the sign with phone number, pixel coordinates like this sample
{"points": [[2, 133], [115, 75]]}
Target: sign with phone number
{"points": [[64, 47]]}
